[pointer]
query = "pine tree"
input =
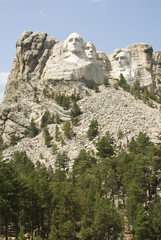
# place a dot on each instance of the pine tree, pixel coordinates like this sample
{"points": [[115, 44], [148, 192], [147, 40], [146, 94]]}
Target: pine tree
{"points": [[57, 118], [47, 137], [104, 147], [33, 130], [75, 111], [62, 161], [57, 133], [14, 139], [93, 129], [67, 129]]}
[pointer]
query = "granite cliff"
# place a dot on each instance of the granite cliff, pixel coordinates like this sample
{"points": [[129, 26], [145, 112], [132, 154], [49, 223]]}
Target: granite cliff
{"points": [[44, 68]]}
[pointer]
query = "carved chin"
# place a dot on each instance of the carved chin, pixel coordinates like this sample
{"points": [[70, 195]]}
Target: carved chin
{"points": [[74, 49], [90, 56]]}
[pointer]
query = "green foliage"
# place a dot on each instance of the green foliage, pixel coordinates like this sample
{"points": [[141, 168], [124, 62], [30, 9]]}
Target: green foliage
{"points": [[153, 96], [150, 104], [106, 82], [14, 139], [2, 144], [136, 89], [156, 219], [75, 120], [75, 111], [21, 235], [86, 233], [47, 137], [62, 140], [122, 83], [142, 227], [87, 93], [10, 186], [96, 88], [62, 161], [41, 156], [145, 95], [90, 200], [38, 237], [33, 130], [75, 97], [116, 86], [1, 156], [68, 131], [141, 144], [57, 133], [54, 148], [91, 85], [135, 198], [93, 129], [53, 235], [62, 100], [26, 113], [106, 219], [104, 147], [47, 118], [36, 95], [83, 162], [48, 94], [57, 118]]}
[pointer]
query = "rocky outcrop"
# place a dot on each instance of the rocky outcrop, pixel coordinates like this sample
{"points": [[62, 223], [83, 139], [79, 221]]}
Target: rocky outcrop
{"points": [[32, 53], [134, 62], [42, 63]]}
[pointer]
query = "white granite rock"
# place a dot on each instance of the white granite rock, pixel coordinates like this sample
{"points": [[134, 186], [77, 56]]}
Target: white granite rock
{"points": [[69, 61], [134, 62]]}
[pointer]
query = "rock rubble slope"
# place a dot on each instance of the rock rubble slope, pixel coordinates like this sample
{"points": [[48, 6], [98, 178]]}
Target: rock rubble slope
{"points": [[116, 111]]}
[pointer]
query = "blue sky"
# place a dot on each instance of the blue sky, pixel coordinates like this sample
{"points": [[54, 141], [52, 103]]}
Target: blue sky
{"points": [[109, 24]]}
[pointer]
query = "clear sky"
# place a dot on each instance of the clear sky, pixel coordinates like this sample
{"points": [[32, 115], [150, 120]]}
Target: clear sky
{"points": [[109, 24]]}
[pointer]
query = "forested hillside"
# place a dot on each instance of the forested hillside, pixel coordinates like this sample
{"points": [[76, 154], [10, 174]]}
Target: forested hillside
{"points": [[107, 195]]}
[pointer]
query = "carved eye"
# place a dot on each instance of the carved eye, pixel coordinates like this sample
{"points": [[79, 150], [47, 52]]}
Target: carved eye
{"points": [[87, 48], [71, 40]]}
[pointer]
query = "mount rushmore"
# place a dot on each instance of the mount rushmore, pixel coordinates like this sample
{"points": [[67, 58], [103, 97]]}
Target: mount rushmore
{"points": [[46, 61], [45, 65]]}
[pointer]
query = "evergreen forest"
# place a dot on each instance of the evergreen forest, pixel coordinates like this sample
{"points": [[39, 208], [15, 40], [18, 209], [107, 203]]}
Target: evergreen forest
{"points": [[105, 195]]}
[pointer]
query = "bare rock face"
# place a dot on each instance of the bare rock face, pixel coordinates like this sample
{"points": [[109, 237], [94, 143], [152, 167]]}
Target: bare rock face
{"points": [[32, 52]]}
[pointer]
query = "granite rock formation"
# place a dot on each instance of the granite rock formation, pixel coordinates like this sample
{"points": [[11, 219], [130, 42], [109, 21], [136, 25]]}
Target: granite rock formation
{"points": [[43, 63], [134, 62]]}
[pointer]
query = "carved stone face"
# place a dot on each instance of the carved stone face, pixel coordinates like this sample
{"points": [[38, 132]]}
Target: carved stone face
{"points": [[74, 43], [122, 59], [90, 50]]}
